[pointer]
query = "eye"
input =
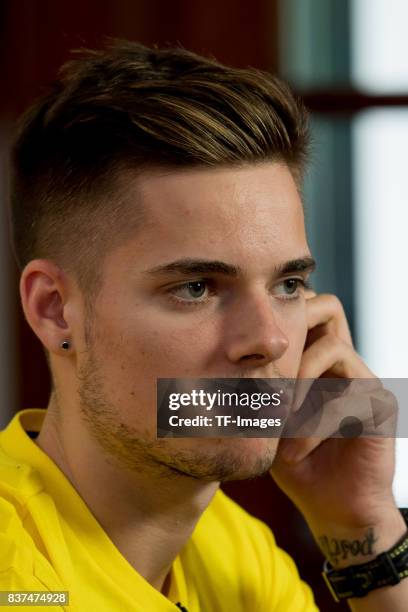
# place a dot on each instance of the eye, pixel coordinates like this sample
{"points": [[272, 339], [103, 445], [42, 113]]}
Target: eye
{"points": [[291, 287], [196, 288], [292, 284], [189, 294]]}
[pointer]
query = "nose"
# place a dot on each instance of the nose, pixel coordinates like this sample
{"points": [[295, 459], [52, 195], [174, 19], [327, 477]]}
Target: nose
{"points": [[254, 338]]}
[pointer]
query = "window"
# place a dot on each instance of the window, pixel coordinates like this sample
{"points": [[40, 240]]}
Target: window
{"points": [[348, 60]]}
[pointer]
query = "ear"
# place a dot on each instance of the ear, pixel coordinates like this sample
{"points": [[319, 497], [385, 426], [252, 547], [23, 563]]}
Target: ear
{"points": [[45, 290]]}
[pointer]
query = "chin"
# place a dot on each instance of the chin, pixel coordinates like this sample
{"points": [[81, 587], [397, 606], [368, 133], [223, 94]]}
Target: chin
{"points": [[221, 459]]}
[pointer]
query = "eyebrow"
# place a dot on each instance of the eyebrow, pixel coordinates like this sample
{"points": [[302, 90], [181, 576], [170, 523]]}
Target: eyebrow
{"points": [[191, 266]]}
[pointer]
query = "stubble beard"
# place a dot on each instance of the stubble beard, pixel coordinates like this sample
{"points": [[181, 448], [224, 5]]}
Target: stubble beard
{"points": [[217, 459]]}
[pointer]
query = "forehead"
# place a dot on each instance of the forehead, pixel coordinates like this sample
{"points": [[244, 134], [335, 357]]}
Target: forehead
{"points": [[251, 211]]}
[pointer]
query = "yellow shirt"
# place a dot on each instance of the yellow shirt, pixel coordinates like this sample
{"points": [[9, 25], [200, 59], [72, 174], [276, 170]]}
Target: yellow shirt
{"points": [[50, 541]]}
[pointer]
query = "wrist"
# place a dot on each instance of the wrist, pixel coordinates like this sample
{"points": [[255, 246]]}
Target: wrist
{"points": [[387, 569], [344, 545]]}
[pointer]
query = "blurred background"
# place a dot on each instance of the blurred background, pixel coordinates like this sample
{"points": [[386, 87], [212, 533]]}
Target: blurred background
{"points": [[348, 59]]}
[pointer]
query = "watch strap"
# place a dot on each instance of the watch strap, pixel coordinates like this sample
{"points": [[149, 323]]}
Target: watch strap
{"points": [[388, 568]]}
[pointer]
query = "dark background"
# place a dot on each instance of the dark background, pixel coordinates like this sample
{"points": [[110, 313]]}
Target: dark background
{"points": [[36, 37]]}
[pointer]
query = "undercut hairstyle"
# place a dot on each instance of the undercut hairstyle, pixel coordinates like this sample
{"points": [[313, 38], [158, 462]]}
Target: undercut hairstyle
{"points": [[116, 112]]}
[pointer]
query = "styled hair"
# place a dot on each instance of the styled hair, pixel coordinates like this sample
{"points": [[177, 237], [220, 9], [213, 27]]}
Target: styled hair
{"points": [[131, 108]]}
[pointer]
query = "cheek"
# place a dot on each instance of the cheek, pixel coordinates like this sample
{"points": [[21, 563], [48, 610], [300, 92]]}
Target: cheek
{"points": [[143, 356], [162, 351], [190, 353]]}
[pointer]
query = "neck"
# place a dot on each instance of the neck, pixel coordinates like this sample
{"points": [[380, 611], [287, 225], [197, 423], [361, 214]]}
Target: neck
{"points": [[149, 515]]}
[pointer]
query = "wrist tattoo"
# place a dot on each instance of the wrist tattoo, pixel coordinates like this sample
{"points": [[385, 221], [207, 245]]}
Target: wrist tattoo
{"points": [[335, 549]]}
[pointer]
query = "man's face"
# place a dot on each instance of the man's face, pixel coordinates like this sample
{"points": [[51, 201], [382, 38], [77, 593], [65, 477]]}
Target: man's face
{"points": [[151, 324]]}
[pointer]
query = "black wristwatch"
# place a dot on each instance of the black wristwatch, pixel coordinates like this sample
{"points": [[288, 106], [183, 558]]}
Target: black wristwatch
{"points": [[357, 580]]}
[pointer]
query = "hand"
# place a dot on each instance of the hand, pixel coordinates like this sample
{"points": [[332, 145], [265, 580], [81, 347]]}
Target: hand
{"points": [[342, 486]]}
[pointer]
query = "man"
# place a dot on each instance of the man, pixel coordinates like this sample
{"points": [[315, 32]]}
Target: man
{"points": [[159, 228]]}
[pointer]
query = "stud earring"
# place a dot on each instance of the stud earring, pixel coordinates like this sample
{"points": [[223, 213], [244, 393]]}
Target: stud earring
{"points": [[65, 345]]}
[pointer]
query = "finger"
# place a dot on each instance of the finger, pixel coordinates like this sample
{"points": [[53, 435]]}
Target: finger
{"points": [[372, 415], [295, 451], [302, 388], [327, 414], [330, 354], [326, 310], [327, 355]]}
